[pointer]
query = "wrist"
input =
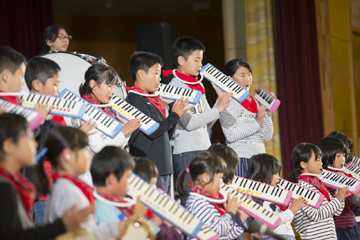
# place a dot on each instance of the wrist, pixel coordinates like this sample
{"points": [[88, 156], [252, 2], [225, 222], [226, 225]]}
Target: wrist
{"points": [[219, 109]]}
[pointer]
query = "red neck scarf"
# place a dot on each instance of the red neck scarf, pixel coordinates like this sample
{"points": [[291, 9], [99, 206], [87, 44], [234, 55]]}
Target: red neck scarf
{"points": [[59, 119], [186, 78], [127, 211], [250, 104], [316, 182], [24, 187], [12, 99], [218, 206], [93, 100], [155, 100], [85, 188]]}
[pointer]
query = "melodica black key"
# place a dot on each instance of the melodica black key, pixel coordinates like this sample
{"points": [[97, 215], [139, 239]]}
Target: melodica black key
{"points": [[267, 99], [337, 181], [175, 93]]}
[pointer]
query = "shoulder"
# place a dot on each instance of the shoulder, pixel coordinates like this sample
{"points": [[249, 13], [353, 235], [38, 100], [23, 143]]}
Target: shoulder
{"points": [[133, 97], [6, 188], [106, 213], [175, 82], [64, 187]]}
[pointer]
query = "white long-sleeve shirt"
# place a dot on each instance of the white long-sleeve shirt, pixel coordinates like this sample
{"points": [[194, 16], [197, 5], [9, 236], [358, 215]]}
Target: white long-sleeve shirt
{"points": [[242, 132], [286, 218], [318, 224]]}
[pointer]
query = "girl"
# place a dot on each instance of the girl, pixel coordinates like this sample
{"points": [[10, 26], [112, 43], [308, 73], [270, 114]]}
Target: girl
{"points": [[17, 150], [334, 155], [69, 157], [247, 125], [98, 88], [313, 223], [347, 141], [266, 169], [206, 171], [55, 37]]}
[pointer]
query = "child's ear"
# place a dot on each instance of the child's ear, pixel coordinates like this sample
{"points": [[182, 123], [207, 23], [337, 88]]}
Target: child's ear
{"points": [[5, 75], [181, 60], [36, 85], [111, 179], [68, 155], [8, 147], [49, 43], [92, 83], [303, 164], [205, 178], [140, 74]]}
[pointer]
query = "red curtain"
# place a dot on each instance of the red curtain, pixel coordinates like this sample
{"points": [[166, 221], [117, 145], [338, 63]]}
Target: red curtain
{"points": [[298, 76], [22, 24]]}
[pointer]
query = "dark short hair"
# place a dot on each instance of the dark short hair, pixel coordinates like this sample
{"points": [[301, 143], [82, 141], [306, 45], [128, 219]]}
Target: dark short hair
{"points": [[346, 140], [185, 46], [145, 169], [302, 153], [229, 156], [50, 33], [99, 73], [11, 125], [109, 160], [232, 66], [330, 146], [10, 59], [262, 167], [143, 61], [40, 68]]}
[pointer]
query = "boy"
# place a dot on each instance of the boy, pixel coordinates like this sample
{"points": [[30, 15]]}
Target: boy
{"points": [[110, 170], [145, 69], [191, 135]]}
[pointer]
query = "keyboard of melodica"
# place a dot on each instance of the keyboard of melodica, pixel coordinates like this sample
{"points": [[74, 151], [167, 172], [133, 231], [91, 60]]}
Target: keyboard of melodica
{"points": [[353, 169], [175, 93], [128, 111], [252, 208], [105, 123], [267, 99], [337, 181], [34, 118], [356, 160], [224, 82], [263, 191], [314, 199], [164, 206], [207, 233], [59, 106]]}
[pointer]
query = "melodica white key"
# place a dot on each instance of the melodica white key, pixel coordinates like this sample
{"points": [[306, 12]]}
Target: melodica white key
{"points": [[105, 123], [128, 111], [164, 206], [263, 191], [252, 208], [314, 199], [337, 181], [356, 160], [34, 118], [61, 107], [267, 99], [353, 169], [224, 82], [175, 93], [207, 233]]}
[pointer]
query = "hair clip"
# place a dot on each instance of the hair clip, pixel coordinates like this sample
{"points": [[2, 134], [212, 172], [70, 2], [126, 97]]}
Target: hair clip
{"points": [[187, 170]]}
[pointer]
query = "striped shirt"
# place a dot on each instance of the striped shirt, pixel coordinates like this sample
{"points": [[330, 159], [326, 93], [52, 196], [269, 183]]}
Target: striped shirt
{"points": [[228, 226], [317, 224], [242, 132], [347, 217]]}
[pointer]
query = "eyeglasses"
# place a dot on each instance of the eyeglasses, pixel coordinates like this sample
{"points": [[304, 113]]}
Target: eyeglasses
{"points": [[65, 37]]}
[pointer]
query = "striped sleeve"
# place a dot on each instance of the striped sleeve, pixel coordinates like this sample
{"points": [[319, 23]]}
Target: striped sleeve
{"points": [[267, 129], [325, 210], [230, 125]]}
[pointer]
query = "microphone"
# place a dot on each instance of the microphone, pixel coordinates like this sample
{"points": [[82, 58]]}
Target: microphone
{"points": [[261, 228]]}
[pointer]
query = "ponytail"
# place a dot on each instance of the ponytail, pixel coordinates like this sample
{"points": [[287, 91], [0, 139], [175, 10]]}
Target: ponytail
{"points": [[181, 184], [40, 179]]}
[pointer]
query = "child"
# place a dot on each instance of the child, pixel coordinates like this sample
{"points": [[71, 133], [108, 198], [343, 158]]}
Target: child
{"points": [[206, 171], [309, 222], [230, 157], [110, 169], [69, 157], [17, 150], [266, 169], [148, 171], [347, 141], [145, 69], [191, 133], [334, 155], [55, 37], [247, 125], [98, 88]]}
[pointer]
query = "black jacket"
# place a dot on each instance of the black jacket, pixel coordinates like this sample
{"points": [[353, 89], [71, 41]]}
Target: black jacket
{"points": [[156, 146], [14, 224]]}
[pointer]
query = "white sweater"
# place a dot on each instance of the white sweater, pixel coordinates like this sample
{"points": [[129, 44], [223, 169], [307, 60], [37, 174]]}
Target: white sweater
{"points": [[286, 218], [318, 224]]}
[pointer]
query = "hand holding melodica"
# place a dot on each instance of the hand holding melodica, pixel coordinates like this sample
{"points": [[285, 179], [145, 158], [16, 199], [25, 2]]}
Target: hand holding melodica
{"points": [[87, 126], [72, 217], [129, 126], [341, 193], [298, 204], [232, 204], [179, 106], [261, 115], [43, 110]]}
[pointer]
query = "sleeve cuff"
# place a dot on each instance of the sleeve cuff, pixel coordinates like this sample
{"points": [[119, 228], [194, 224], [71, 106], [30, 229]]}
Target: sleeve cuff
{"points": [[239, 222]]}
